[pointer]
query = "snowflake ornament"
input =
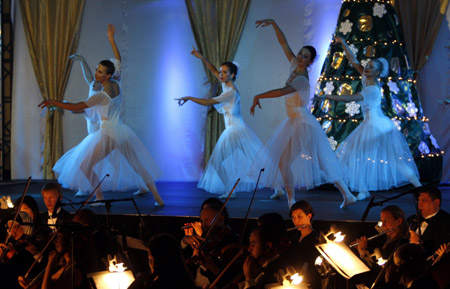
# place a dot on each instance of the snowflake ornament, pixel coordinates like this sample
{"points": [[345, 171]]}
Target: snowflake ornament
{"points": [[434, 142], [412, 109], [353, 49], [379, 10], [423, 148], [364, 62], [393, 87], [352, 108], [397, 123], [346, 27], [329, 88], [333, 142]]}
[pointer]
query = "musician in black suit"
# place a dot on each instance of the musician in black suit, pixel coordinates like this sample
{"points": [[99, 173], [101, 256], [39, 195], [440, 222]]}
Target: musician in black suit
{"points": [[55, 215], [434, 223]]}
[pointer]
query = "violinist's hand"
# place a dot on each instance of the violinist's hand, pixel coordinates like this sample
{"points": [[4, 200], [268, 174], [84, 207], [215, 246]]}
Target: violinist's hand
{"points": [[255, 103], [182, 100], [23, 282], [192, 241], [52, 259], [264, 22], [413, 237], [249, 268], [197, 228]]}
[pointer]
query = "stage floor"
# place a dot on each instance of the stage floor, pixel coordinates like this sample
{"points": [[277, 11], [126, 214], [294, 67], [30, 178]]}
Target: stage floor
{"points": [[183, 199]]}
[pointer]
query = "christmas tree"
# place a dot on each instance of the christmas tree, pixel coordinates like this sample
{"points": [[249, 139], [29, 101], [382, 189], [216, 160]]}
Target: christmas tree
{"points": [[371, 29]]}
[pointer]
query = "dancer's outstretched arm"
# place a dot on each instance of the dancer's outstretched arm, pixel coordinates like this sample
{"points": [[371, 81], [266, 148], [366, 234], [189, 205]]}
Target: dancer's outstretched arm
{"points": [[350, 56], [280, 36], [87, 73], [270, 94], [208, 64], [202, 101], [345, 98], [64, 105], [111, 31]]}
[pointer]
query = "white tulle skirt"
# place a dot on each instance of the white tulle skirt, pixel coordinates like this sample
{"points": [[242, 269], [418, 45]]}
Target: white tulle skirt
{"points": [[376, 156], [298, 155], [114, 150], [230, 160]]}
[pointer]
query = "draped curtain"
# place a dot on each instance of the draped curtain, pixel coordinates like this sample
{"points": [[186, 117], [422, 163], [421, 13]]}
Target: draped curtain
{"points": [[52, 29], [420, 21], [217, 27]]}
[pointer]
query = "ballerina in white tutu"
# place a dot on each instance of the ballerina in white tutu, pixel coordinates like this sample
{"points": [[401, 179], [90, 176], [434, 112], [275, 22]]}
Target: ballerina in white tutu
{"points": [[92, 121], [237, 145], [112, 149], [299, 153], [375, 155]]}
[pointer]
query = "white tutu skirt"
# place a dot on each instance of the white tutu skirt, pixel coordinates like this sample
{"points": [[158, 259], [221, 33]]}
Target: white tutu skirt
{"points": [[114, 150], [298, 155], [376, 156], [230, 160]]}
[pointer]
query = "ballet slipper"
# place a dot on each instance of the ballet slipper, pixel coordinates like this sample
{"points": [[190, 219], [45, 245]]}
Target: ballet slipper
{"points": [[362, 195], [81, 194], [277, 194], [348, 201], [158, 201], [140, 192]]}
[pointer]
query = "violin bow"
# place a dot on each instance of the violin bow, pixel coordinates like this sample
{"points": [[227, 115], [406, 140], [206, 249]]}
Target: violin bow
{"points": [[221, 210], [249, 207]]}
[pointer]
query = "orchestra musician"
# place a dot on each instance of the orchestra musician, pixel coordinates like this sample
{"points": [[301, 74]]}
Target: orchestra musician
{"points": [[434, 222], [393, 222], [58, 271], [18, 255], [304, 239], [52, 196], [212, 245], [167, 266], [262, 266]]}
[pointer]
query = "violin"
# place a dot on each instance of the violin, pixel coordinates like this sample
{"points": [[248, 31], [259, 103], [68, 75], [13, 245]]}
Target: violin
{"points": [[9, 250]]}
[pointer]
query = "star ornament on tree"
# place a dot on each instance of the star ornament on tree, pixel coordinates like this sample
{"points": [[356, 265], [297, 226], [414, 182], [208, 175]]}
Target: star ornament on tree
{"points": [[379, 10], [352, 108], [346, 27]]}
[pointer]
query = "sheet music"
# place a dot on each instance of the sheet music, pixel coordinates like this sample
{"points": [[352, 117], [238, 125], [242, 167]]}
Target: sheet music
{"points": [[342, 259]]}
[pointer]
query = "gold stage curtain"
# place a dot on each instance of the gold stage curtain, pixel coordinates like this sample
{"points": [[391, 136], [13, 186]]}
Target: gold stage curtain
{"points": [[52, 29], [420, 21], [217, 27]]}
